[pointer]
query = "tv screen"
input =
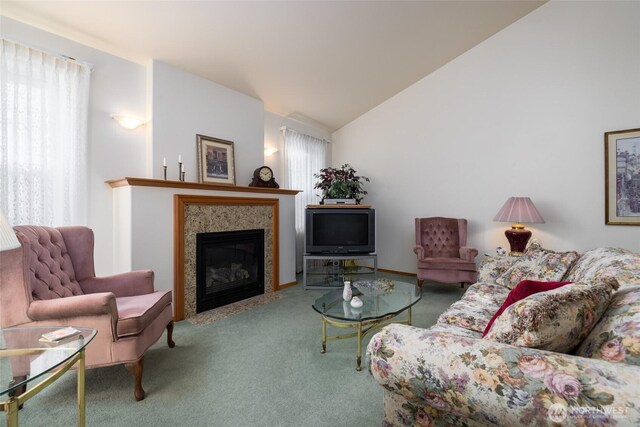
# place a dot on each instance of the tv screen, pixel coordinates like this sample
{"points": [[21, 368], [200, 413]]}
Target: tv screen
{"points": [[340, 230]]}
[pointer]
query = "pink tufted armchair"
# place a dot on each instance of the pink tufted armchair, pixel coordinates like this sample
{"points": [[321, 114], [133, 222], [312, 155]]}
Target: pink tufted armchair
{"points": [[50, 280], [442, 252]]}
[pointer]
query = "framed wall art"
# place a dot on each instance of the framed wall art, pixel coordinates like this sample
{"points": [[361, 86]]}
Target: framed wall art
{"points": [[622, 177], [216, 162]]}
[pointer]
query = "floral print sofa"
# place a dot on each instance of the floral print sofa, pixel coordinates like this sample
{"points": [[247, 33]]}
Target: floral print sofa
{"points": [[448, 375]]}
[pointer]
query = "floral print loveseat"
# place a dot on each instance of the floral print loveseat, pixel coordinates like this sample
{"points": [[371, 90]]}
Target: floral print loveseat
{"points": [[448, 375]]}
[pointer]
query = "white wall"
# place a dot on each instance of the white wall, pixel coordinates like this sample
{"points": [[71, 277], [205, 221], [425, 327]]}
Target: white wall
{"points": [[522, 114], [184, 105], [117, 86], [273, 138]]}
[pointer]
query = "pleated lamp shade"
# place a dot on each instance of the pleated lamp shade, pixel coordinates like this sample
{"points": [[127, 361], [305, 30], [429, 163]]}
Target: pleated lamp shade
{"points": [[520, 210], [8, 239]]}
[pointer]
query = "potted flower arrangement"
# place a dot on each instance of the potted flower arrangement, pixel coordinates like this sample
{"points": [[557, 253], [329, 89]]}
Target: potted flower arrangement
{"points": [[340, 183]]}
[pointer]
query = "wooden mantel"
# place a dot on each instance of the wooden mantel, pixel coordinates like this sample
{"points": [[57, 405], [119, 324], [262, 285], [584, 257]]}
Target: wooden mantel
{"points": [[148, 182]]}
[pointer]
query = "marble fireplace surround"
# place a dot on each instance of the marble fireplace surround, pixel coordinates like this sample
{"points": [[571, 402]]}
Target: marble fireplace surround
{"points": [[204, 214]]}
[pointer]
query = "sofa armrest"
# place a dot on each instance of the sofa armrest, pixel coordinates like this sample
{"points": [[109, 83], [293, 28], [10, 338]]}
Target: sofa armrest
{"points": [[419, 251], [443, 375], [122, 285], [468, 253], [75, 306], [492, 267]]}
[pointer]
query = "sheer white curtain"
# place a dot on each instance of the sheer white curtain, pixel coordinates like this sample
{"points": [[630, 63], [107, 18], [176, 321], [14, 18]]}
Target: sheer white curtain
{"points": [[43, 141], [304, 155]]}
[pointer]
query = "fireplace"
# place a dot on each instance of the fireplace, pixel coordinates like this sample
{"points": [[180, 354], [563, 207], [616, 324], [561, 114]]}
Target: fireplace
{"points": [[229, 267]]}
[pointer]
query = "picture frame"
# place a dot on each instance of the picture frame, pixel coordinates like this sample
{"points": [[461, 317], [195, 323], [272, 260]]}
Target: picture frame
{"points": [[216, 160], [622, 177]]}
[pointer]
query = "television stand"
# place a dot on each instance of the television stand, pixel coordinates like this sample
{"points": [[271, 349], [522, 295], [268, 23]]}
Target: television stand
{"points": [[333, 271]]}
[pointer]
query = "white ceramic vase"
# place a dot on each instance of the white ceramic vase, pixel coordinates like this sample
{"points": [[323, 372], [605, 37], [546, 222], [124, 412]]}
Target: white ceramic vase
{"points": [[346, 292]]}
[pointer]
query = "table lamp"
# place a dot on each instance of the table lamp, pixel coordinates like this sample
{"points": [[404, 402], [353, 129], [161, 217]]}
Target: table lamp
{"points": [[518, 210], [8, 239]]}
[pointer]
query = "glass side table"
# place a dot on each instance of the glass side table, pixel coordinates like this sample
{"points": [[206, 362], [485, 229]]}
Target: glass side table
{"points": [[27, 366], [379, 307]]}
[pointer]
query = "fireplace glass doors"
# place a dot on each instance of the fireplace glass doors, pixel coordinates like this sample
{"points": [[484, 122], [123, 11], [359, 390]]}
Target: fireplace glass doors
{"points": [[229, 267]]}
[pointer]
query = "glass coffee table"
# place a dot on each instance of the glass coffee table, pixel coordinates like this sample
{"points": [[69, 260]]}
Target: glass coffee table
{"points": [[27, 365], [382, 300]]}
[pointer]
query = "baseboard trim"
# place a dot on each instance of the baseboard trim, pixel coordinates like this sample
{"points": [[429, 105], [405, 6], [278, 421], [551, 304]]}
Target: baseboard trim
{"points": [[402, 273], [287, 285]]}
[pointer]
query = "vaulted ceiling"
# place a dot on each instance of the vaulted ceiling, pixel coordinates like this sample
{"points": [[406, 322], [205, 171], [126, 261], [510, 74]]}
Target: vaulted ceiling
{"points": [[326, 62]]}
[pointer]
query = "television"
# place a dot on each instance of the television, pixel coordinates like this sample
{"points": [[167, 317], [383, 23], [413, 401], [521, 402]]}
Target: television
{"points": [[340, 231]]}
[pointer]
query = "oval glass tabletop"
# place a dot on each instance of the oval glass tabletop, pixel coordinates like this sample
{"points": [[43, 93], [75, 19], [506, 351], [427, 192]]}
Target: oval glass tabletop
{"points": [[377, 302], [25, 356]]}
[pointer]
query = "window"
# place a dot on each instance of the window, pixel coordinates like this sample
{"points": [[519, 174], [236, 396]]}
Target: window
{"points": [[304, 156], [43, 137]]}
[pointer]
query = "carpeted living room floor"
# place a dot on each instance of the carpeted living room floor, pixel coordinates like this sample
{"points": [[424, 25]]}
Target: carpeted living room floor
{"points": [[261, 367]]}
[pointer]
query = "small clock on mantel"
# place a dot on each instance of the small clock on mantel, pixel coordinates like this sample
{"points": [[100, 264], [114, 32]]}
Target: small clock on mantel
{"points": [[263, 177]]}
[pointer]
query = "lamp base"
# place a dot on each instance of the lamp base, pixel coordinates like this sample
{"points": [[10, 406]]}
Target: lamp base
{"points": [[518, 239]]}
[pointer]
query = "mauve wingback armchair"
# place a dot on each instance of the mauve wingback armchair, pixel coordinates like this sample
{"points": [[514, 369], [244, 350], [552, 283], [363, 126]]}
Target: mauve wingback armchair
{"points": [[50, 280], [443, 254]]}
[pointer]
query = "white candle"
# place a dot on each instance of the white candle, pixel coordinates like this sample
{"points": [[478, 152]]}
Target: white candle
{"points": [[179, 158], [181, 167], [164, 162]]}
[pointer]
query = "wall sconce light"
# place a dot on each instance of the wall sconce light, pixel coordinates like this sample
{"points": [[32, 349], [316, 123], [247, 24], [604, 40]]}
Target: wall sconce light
{"points": [[270, 151], [128, 122]]}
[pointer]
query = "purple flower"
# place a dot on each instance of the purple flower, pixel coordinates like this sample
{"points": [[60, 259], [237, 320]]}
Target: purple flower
{"points": [[377, 343], [563, 384], [627, 328], [517, 397], [382, 368], [461, 382]]}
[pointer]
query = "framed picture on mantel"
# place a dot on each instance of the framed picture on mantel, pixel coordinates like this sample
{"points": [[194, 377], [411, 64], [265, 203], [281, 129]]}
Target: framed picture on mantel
{"points": [[216, 161], [622, 177]]}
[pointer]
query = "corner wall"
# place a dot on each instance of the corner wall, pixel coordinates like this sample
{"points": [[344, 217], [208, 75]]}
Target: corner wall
{"points": [[522, 114], [183, 105], [273, 138]]}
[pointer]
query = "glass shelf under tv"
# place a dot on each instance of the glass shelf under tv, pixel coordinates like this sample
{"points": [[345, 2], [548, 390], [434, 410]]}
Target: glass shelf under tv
{"points": [[330, 271]]}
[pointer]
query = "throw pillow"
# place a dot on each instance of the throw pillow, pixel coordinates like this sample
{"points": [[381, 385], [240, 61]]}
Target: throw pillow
{"points": [[556, 320], [521, 291], [616, 337], [538, 264], [607, 262]]}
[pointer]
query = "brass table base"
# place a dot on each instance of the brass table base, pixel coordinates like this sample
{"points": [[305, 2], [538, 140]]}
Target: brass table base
{"points": [[362, 328], [11, 406]]}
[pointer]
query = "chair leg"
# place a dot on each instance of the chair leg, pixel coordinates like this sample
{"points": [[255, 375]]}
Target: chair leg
{"points": [[136, 370], [20, 390], [170, 341], [462, 285]]}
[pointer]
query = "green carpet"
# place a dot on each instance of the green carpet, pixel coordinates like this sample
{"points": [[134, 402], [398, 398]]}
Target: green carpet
{"points": [[261, 367]]}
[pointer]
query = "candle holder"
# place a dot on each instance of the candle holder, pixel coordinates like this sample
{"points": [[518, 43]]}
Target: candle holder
{"points": [[179, 171], [165, 171], [182, 176]]}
